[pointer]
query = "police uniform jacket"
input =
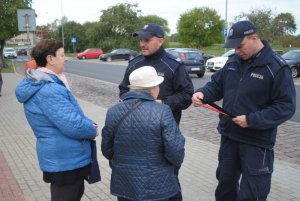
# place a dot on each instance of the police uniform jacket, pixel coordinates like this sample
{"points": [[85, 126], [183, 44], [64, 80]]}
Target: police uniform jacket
{"points": [[261, 88]]}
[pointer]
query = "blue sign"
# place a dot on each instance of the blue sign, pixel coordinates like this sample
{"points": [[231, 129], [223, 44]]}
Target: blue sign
{"points": [[225, 32], [73, 40]]}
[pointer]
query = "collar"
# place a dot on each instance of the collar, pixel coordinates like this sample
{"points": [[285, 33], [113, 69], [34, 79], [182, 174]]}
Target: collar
{"points": [[136, 95], [158, 54]]}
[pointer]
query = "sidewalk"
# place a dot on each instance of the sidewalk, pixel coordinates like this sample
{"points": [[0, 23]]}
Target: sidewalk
{"points": [[197, 175]]}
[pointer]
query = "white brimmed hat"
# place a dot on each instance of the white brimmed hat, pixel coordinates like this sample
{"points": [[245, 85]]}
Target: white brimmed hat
{"points": [[144, 77]]}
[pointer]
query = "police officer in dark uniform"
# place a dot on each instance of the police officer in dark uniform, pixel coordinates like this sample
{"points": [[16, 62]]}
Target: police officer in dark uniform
{"points": [[177, 88], [256, 86]]}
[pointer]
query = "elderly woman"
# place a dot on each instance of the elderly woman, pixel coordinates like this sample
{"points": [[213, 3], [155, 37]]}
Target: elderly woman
{"points": [[62, 130], [143, 141]]}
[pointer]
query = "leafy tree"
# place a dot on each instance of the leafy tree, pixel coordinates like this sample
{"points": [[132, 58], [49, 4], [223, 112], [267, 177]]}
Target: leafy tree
{"points": [[155, 19], [9, 20], [117, 23], [200, 27], [284, 24]]}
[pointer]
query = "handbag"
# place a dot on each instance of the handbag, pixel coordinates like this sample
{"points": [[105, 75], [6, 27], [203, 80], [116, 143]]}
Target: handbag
{"points": [[137, 103], [94, 174]]}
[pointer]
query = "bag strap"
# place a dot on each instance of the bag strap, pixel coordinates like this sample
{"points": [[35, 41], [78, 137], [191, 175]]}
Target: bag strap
{"points": [[138, 103]]}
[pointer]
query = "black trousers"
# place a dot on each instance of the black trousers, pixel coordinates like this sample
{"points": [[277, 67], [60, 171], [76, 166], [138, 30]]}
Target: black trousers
{"points": [[72, 192], [254, 164]]}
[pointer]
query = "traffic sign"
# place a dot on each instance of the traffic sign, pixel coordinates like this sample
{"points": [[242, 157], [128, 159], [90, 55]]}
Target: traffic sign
{"points": [[225, 32], [73, 40]]}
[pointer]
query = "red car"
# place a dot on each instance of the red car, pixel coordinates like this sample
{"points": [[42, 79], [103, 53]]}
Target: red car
{"points": [[91, 53]]}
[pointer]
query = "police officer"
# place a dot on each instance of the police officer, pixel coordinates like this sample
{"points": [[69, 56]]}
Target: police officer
{"points": [[257, 87], [177, 88]]}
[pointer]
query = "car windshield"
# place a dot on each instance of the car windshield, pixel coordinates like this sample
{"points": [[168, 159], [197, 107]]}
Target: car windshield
{"points": [[193, 56], [115, 51], [228, 53], [291, 55]]}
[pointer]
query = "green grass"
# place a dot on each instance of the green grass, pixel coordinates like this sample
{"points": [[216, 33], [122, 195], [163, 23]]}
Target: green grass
{"points": [[10, 68]]}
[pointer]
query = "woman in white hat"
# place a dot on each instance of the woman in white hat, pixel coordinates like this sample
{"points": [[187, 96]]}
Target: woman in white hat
{"points": [[143, 141]]}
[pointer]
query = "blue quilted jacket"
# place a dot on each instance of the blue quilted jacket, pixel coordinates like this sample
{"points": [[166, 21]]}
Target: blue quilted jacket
{"points": [[61, 129], [145, 148]]}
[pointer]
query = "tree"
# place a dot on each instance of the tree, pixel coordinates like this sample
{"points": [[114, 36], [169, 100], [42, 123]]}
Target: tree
{"points": [[155, 19], [284, 24], [9, 20], [117, 23], [73, 30], [200, 27]]}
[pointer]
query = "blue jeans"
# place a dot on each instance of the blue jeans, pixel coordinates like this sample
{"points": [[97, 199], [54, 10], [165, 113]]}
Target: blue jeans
{"points": [[255, 164]]}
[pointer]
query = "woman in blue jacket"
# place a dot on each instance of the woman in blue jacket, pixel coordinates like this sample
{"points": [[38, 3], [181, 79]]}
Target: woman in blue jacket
{"points": [[146, 145], [62, 130]]}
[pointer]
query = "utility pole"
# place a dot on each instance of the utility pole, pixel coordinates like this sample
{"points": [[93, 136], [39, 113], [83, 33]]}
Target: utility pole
{"points": [[226, 26], [62, 25]]}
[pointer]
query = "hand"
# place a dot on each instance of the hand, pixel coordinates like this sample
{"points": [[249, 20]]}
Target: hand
{"points": [[241, 121], [196, 99]]}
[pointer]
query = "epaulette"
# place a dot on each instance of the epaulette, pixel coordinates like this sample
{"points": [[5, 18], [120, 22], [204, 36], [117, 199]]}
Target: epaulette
{"points": [[138, 56], [279, 59]]}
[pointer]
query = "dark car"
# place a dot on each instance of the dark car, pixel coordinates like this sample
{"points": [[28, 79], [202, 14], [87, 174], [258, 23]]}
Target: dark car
{"points": [[204, 55], [192, 59], [91, 53], [22, 51], [292, 57], [123, 54]]}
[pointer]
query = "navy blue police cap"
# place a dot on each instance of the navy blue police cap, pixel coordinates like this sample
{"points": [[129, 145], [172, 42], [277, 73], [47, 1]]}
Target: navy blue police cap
{"points": [[237, 33], [150, 30]]}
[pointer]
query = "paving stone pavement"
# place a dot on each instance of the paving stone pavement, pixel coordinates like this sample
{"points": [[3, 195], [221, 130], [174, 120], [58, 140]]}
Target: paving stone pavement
{"points": [[197, 174]]}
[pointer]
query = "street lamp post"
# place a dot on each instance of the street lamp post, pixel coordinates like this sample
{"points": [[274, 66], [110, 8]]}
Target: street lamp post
{"points": [[62, 25], [226, 25]]}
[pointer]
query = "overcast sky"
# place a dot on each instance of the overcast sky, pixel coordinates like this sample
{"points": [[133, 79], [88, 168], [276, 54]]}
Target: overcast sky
{"points": [[90, 10]]}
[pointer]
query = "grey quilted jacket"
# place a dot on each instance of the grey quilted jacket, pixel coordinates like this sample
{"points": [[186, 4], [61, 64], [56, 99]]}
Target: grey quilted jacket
{"points": [[145, 148]]}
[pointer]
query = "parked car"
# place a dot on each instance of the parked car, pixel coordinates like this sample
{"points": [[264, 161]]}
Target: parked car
{"points": [[192, 59], [9, 53], [91, 53], [292, 57], [122, 53], [22, 51], [204, 55], [216, 63]]}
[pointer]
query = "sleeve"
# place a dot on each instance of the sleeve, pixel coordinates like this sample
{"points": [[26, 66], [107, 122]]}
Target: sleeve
{"points": [[173, 140], [213, 90], [283, 103], [184, 89], [64, 114], [123, 86], [107, 142]]}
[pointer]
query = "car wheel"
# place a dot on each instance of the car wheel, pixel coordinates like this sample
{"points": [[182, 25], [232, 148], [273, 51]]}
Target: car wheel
{"points": [[200, 75], [108, 59], [294, 72], [83, 57]]}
